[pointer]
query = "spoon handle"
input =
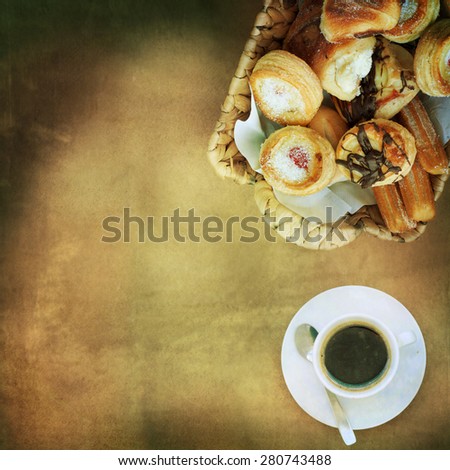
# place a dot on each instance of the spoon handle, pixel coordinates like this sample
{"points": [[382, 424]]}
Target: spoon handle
{"points": [[344, 426]]}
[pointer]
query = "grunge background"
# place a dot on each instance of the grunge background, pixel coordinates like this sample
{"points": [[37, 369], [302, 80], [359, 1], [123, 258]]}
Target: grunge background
{"points": [[110, 104]]}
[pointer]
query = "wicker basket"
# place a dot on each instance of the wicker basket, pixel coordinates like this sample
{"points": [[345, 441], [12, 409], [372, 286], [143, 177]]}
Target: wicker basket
{"points": [[270, 28]]}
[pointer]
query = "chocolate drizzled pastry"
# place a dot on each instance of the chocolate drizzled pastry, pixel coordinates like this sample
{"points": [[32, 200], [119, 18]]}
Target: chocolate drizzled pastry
{"points": [[376, 152], [372, 165], [363, 107], [388, 87]]}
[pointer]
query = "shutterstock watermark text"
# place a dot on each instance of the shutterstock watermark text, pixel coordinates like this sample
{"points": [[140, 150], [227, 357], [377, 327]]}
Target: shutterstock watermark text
{"points": [[189, 227]]}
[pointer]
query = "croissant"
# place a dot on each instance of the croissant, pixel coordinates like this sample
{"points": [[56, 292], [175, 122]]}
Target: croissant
{"points": [[343, 19], [431, 60], [415, 16], [340, 67]]}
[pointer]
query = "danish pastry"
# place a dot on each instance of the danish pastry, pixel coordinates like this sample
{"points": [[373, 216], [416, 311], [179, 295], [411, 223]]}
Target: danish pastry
{"points": [[297, 160], [340, 67], [342, 19], [415, 16], [285, 88], [388, 87], [432, 59], [376, 153]]}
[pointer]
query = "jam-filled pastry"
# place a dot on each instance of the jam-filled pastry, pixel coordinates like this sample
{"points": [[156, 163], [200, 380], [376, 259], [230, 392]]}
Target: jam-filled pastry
{"points": [[432, 59], [415, 16], [343, 19], [376, 152], [297, 160], [285, 88], [388, 87]]}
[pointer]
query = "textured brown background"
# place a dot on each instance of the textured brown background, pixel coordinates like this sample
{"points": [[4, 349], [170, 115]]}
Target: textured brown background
{"points": [[110, 104]]}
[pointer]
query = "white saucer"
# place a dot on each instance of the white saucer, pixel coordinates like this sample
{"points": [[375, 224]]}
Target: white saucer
{"points": [[363, 413]]}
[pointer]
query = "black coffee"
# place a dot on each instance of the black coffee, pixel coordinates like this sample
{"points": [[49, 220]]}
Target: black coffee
{"points": [[355, 355]]}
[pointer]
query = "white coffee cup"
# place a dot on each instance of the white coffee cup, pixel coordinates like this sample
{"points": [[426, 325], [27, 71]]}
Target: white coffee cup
{"points": [[378, 331]]}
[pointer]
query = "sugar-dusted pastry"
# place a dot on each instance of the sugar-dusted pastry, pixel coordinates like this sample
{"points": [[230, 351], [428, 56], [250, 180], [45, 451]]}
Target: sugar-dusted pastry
{"points": [[297, 160], [415, 16], [392, 208], [417, 194], [285, 88], [376, 153], [344, 19], [430, 151], [432, 59], [329, 124], [340, 67], [388, 87]]}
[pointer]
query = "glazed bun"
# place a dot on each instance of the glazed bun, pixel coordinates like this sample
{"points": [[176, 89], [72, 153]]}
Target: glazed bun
{"points": [[297, 160], [376, 153], [343, 19], [329, 124], [285, 88]]}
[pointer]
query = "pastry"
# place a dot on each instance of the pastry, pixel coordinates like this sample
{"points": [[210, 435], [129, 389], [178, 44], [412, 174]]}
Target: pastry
{"points": [[297, 160], [430, 151], [343, 19], [340, 67], [376, 153], [415, 16], [417, 194], [392, 209], [285, 88], [329, 124], [445, 8], [388, 87], [432, 59]]}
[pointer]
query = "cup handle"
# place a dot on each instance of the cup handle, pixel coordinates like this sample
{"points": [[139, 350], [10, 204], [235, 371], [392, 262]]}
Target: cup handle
{"points": [[405, 338]]}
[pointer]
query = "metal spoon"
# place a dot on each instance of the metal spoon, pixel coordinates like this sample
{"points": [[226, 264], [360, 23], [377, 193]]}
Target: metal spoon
{"points": [[304, 341]]}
